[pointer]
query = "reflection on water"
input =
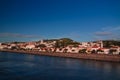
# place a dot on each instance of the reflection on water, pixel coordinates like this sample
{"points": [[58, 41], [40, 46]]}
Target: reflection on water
{"points": [[33, 67]]}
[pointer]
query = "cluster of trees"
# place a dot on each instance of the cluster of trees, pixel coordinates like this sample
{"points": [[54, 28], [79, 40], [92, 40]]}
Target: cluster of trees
{"points": [[63, 42], [93, 51], [109, 43], [60, 43]]}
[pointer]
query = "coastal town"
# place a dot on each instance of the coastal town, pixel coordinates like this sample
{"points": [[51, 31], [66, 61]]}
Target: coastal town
{"points": [[65, 45]]}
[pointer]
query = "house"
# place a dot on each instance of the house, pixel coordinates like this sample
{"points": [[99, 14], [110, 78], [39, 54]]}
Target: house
{"points": [[72, 49], [60, 50], [3, 47], [95, 47], [104, 51], [115, 50], [30, 46], [84, 44]]}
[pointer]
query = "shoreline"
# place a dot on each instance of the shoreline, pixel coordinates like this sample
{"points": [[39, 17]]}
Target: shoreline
{"points": [[96, 57]]}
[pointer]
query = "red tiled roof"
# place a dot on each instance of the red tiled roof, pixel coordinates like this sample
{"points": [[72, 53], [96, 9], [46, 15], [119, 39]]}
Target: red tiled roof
{"points": [[114, 47], [95, 46]]}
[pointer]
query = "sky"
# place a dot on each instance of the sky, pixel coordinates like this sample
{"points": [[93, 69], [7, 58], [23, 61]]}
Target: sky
{"points": [[80, 20]]}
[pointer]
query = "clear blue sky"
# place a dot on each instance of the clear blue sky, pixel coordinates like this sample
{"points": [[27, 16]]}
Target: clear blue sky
{"points": [[81, 20]]}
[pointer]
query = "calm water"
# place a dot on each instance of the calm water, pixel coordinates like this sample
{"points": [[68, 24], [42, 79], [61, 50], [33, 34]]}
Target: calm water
{"points": [[32, 67]]}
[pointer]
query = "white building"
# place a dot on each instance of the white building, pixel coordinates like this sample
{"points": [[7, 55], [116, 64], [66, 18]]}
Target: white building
{"points": [[59, 50], [3, 46], [106, 50], [72, 49], [95, 47], [116, 48], [84, 44], [30, 46]]}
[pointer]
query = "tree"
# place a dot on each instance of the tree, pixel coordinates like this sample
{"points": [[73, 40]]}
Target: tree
{"points": [[109, 43], [99, 50], [13, 48], [82, 51], [63, 42], [41, 46], [57, 44], [93, 51], [112, 50], [75, 44]]}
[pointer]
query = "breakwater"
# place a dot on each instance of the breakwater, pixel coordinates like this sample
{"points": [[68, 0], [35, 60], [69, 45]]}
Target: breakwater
{"points": [[99, 57]]}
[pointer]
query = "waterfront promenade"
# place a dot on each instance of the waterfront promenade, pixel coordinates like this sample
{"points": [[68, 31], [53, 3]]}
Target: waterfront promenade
{"points": [[97, 57]]}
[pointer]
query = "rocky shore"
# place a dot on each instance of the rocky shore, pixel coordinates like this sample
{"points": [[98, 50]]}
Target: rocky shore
{"points": [[97, 57]]}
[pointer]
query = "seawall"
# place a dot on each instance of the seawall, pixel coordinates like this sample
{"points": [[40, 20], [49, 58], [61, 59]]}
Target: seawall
{"points": [[99, 57]]}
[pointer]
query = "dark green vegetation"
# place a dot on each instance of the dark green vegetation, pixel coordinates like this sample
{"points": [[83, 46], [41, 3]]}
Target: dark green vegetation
{"points": [[63, 42], [110, 43]]}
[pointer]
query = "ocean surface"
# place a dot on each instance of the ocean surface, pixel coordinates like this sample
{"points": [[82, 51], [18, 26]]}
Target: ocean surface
{"points": [[14, 66]]}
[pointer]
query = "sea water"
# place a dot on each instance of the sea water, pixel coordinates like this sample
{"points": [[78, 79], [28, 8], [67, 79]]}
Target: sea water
{"points": [[17, 66]]}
